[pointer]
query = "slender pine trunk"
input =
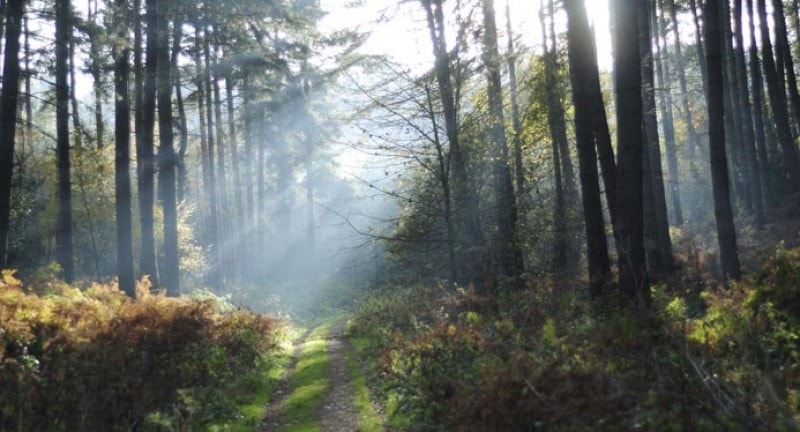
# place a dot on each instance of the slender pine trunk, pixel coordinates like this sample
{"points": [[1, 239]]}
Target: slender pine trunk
{"points": [[64, 248], [122, 175]]}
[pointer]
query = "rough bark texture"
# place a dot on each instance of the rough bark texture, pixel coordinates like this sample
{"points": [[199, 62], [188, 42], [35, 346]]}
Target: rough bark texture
{"points": [[8, 118], [167, 160], [630, 244], [145, 151], [122, 175], [584, 77], [64, 221], [726, 232]]}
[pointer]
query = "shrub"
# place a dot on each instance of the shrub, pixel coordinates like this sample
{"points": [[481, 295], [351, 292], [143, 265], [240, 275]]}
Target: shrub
{"points": [[96, 360], [546, 359]]}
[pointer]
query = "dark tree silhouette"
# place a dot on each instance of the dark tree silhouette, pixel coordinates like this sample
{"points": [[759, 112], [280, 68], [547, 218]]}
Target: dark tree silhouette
{"points": [[726, 232]]}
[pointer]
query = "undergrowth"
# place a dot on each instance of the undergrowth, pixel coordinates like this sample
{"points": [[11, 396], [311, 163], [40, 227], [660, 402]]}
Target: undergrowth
{"points": [[95, 360], [549, 359]]}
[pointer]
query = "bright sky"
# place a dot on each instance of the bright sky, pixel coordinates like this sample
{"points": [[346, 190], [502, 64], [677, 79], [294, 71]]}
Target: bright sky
{"points": [[399, 28]]}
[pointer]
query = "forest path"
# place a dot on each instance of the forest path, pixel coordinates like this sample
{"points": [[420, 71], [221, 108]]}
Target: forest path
{"points": [[339, 412], [318, 392], [273, 417]]}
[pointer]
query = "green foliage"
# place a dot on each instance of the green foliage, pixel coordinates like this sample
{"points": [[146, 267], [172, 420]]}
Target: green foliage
{"points": [[96, 360], [545, 359]]}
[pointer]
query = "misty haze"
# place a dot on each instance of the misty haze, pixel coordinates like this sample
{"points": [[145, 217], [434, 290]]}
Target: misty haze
{"points": [[427, 215]]}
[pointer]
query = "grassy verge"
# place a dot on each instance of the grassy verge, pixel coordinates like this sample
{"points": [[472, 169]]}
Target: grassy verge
{"points": [[368, 418], [309, 383], [254, 394]]}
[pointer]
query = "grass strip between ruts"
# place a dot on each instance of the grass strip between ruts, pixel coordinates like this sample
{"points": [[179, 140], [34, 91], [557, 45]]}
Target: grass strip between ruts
{"points": [[309, 384]]}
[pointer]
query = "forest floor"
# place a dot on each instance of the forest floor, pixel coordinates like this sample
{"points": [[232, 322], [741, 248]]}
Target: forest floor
{"points": [[324, 389]]}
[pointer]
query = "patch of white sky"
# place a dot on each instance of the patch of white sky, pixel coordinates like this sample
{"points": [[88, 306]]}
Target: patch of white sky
{"points": [[398, 30]]}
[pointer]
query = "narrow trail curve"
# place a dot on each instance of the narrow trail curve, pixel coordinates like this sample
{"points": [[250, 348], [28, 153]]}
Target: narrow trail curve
{"points": [[339, 412]]}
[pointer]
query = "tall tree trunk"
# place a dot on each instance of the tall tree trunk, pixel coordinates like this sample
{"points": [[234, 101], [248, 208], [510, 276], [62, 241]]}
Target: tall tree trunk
{"points": [[733, 122], [64, 251], [656, 229], [250, 212], [777, 97], [466, 201], [692, 140], [567, 168], [183, 123], [310, 213], [726, 232], [764, 166], [95, 68], [209, 196], [746, 114], [122, 175], [558, 136], [444, 180], [222, 180], [4, 10], [214, 275], [238, 207], [782, 46], [166, 154], [627, 66], [8, 118], [261, 165], [519, 167], [698, 41], [584, 76], [667, 116], [28, 131], [509, 255], [77, 125], [146, 145]]}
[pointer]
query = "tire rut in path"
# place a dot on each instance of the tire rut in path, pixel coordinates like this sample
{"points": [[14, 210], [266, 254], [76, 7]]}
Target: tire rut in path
{"points": [[272, 418], [339, 412]]}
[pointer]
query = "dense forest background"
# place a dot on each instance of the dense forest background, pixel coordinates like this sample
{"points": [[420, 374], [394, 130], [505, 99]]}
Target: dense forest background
{"points": [[506, 202]]}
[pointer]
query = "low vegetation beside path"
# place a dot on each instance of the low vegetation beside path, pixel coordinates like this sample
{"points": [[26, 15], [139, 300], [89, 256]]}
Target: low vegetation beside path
{"points": [[547, 359], [95, 360]]}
